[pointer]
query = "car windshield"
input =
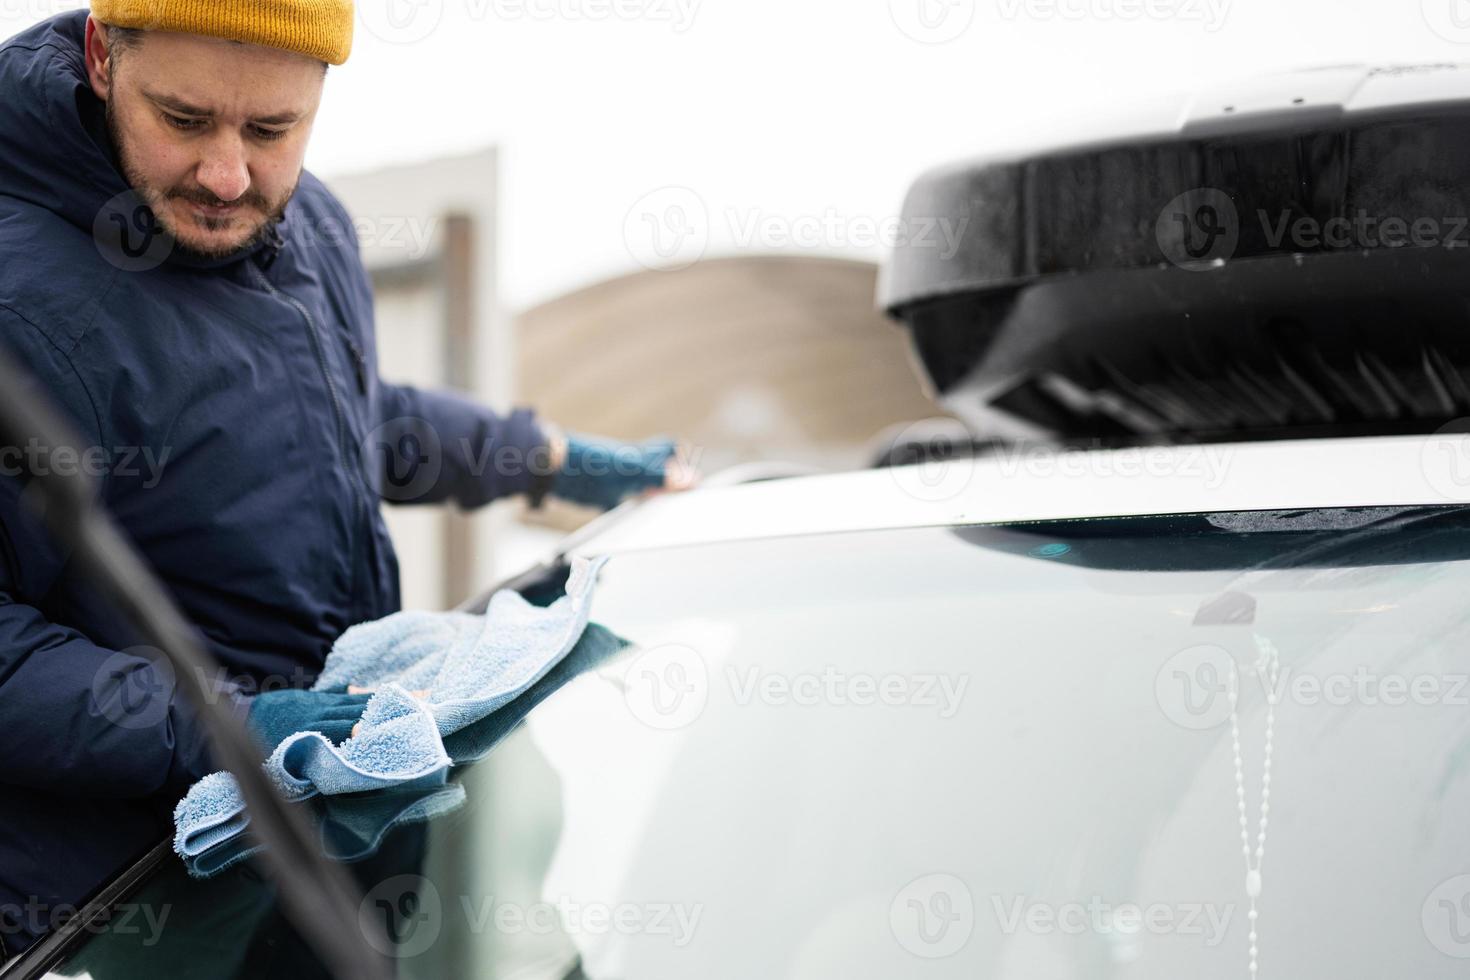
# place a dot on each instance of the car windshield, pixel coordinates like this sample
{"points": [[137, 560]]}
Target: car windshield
{"points": [[1156, 747]]}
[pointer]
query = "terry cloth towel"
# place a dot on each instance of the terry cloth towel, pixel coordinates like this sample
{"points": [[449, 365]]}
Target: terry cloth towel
{"points": [[472, 666], [351, 827]]}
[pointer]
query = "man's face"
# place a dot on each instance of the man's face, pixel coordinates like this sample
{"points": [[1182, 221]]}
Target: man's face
{"points": [[210, 132]]}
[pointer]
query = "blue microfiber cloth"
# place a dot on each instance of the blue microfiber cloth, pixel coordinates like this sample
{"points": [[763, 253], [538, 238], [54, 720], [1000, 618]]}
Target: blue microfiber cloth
{"points": [[351, 827], [472, 666]]}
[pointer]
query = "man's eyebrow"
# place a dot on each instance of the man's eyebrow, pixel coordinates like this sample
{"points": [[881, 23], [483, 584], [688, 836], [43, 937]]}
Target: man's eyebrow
{"points": [[279, 119], [186, 109], [177, 105]]}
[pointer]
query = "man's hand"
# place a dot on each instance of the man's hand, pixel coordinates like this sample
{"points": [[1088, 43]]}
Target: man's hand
{"points": [[601, 472], [679, 475], [277, 715], [369, 691]]}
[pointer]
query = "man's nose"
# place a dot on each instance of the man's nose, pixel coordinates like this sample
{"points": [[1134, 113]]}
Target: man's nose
{"points": [[225, 170]]}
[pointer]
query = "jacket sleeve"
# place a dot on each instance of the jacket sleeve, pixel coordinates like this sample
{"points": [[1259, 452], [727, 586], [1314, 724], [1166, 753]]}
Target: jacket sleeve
{"points": [[436, 446], [78, 719]]}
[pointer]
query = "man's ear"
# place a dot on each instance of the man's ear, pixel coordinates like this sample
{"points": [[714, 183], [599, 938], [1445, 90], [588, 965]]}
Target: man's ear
{"points": [[99, 59]]}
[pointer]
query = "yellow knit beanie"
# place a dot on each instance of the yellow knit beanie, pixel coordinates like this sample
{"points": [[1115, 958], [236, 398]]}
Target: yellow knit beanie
{"points": [[317, 28]]}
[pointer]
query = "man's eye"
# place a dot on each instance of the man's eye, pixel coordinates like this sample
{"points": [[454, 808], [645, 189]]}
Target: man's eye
{"points": [[180, 122], [268, 135]]}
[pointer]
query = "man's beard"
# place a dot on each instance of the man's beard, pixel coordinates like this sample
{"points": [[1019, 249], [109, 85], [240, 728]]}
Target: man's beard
{"points": [[153, 197]]}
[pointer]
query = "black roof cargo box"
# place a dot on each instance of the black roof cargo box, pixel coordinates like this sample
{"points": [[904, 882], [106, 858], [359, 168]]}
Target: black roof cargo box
{"points": [[1288, 261]]}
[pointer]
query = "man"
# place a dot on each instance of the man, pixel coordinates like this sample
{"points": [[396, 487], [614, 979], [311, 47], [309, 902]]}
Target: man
{"points": [[193, 301]]}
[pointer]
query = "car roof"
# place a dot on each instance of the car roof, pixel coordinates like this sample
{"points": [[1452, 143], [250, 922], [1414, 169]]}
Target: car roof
{"points": [[1022, 485]]}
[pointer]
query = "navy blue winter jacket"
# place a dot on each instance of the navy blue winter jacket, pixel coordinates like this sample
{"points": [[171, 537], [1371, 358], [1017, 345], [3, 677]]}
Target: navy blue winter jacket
{"points": [[231, 410]]}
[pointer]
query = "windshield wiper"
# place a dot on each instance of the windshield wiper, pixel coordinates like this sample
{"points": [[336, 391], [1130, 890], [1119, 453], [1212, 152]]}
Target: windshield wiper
{"points": [[317, 894]]}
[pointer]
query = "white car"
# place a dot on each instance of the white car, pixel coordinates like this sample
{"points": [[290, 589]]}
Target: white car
{"points": [[1009, 717], [1192, 701]]}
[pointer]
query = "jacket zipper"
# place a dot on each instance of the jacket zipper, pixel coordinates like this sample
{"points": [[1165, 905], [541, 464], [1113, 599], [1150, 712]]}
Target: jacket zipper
{"points": [[321, 360], [318, 346], [359, 361]]}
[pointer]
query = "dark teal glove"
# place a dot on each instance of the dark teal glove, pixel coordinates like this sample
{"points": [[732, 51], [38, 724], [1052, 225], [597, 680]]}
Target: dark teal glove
{"points": [[604, 472], [277, 715]]}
